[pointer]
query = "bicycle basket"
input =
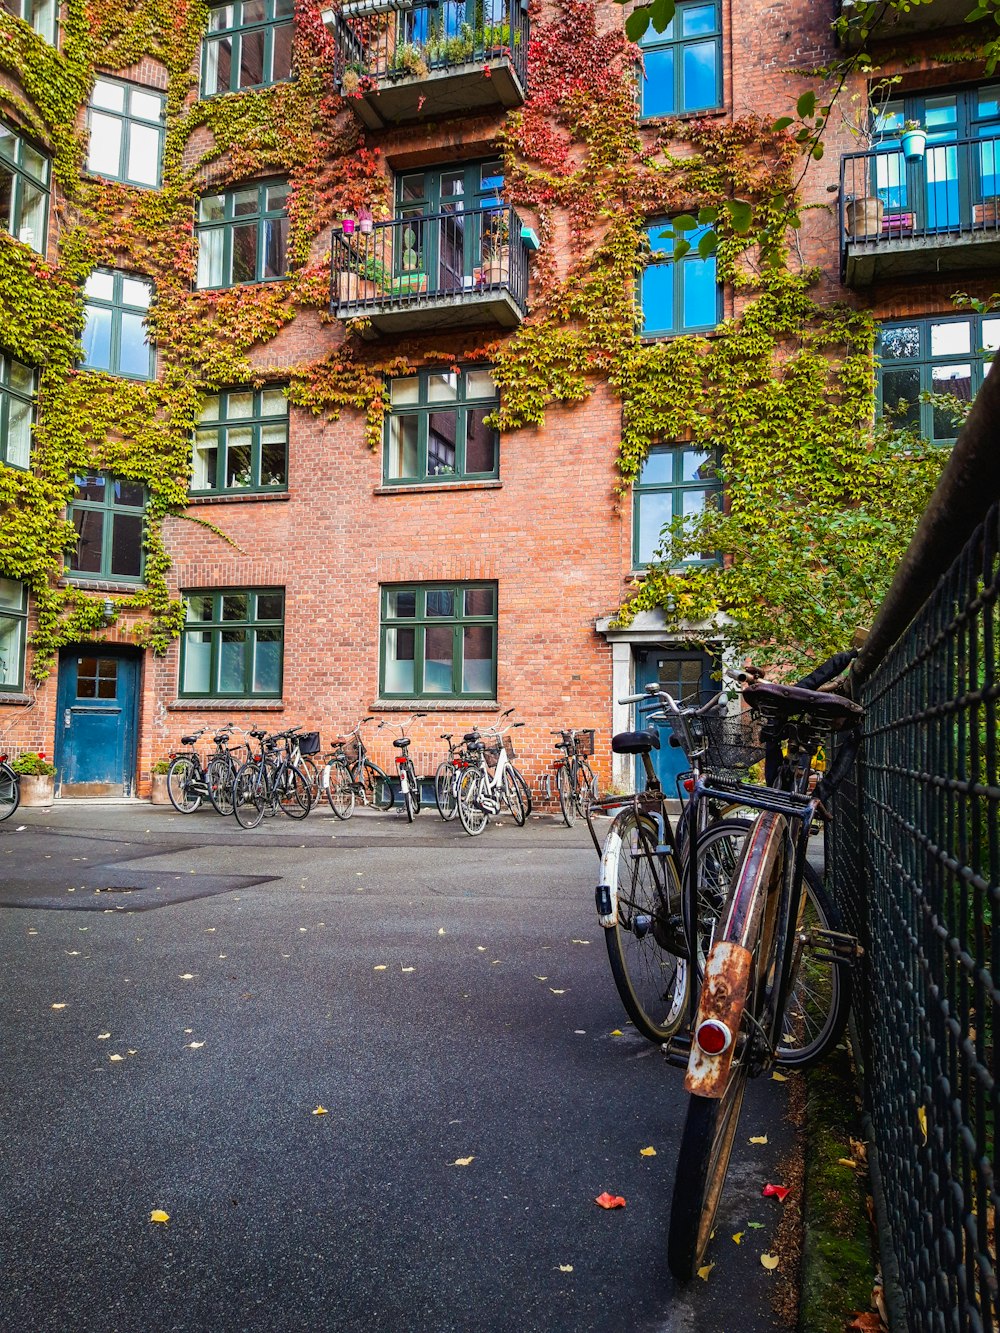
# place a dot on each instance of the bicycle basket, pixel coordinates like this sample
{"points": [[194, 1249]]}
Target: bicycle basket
{"points": [[726, 742], [309, 742], [585, 743], [349, 750], [508, 745]]}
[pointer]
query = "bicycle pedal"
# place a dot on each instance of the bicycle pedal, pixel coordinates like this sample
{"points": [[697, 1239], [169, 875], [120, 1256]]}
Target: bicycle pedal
{"points": [[664, 850], [835, 946]]}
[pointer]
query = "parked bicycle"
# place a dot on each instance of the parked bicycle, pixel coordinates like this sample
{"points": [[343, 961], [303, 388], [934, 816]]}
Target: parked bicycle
{"points": [[349, 776], [271, 781], [10, 789], [483, 790], [190, 782], [409, 783], [575, 781], [448, 776]]}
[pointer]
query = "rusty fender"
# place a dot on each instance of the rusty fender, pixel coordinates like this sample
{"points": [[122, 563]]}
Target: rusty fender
{"points": [[723, 995]]}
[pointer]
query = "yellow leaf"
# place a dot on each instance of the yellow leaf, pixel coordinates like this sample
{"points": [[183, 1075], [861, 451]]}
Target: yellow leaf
{"points": [[59, 1006], [556, 992], [538, 978], [617, 1032], [441, 931], [481, 948], [704, 1272], [158, 1215], [759, 1138], [103, 1036], [195, 1045], [116, 1057], [769, 1260], [846, 1161], [738, 1236], [579, 941], [921, 1115], [186, 976], [379, 967], [565, 1268], [647, 1152], [779, 1078], [321, 1110], [406, 969], [133, 1052], [463, 1161]]}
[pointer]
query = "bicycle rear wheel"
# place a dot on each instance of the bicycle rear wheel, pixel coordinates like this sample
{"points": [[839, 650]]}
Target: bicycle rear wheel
{"points": [[183, 772], [294, 796], [525, 789], [470, 812], [445, 793], [646, 943], [511, 795], [340, 789], [819, 993], [219, 777], [411, 796], [377, 786], [565, 783], [10, 791], [249, 795]]}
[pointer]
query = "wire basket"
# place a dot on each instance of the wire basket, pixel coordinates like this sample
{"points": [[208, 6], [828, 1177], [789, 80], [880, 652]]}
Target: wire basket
{"points": [[349, 749], [727, 743], [585, 743], [508, 745]]}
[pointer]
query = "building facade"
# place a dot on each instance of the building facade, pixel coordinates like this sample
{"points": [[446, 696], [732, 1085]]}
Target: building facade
{"points": [[346, 370]]}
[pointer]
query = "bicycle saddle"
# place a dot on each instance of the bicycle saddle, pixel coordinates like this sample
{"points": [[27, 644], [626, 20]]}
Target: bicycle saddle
{"points": [[402, 742], [789, 699], [636, 742], [470, 736], [188, 740]]}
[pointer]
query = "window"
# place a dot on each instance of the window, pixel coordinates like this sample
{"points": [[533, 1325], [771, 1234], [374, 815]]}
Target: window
{"points": [[683, 64], [13, 624], [242, 442], [939, 356], [439, 641], [435, 429], [42, 15], [678, 295], [243, 235], [126, 133], [454, 232], [232, 644], [17, 407], [676, 481], [249, 45], [108, 516], [114, 333], [24, 190]]}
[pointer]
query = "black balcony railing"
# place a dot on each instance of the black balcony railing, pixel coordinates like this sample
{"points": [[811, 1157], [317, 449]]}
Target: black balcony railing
{"points": [[461, 259], [382, 41], [949, 199]]}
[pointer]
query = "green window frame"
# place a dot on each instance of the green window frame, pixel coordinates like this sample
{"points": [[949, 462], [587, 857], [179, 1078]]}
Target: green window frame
{"points": [[25, 176], [13, 633], [17, 411], [241, 443], [126, 127], [40, 15], [232, 644], [678, 296], [115, 337], [243, 235], [950, 355], [681, 71], [676, 481], [109, 516], [435, 428], [248, 45], [438, 641]]}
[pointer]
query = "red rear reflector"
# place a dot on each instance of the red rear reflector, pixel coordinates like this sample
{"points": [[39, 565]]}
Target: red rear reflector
{"points": [[713, 1037], [400, 761], [688, 784], [3, 758]]}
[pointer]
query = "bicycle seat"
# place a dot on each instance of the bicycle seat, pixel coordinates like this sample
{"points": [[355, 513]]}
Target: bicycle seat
{"points": [[791, 699], [635, 742], [470, 736], [402, 742], [188, 740]]}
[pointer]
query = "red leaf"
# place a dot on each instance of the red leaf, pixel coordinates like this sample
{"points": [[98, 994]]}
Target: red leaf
{"points": [[779, 1191], [866, 1322], [607, 1200]]}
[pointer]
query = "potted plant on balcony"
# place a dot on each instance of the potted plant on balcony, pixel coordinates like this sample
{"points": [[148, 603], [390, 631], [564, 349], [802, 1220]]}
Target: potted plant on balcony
{"points": [[408, 58], [914, 140], [864, 118], [496, 251], [366, 222], [36, 774]]}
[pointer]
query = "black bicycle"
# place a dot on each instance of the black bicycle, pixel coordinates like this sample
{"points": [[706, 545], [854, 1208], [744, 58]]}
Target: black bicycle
{"points": [[350, 776], [10, 789], [190, 782], [271, 781], [575, 781], [409, 783]]}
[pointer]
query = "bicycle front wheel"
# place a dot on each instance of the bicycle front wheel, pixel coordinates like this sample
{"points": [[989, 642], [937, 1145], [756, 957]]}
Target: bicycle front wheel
{"points": [[646, 943], [445, 790], [524, 788], [511, 794], [294, 795], [565, 786], [10, 791], [249, 795], [183, 773], [411, 797], [219, 776], [470, 812], [819, 993], [340, 789], [377, 786]]}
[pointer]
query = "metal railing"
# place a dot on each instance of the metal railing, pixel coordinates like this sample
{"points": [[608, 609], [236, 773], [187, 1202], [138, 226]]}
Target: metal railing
{"points": [[443, 255], [915, 863], [396, 39], [953, 189]]}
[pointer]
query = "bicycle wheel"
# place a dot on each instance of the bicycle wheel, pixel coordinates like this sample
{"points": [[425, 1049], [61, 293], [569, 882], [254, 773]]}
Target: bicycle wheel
{"points": [[819, 995], [407, 784], [249, 795], [307, 767], [445, 794], [10, 791], [583, 789], [294, 796], [719, 849], [219, 777], [470, 812], [646, 944], [524, 788], [183, 772], [511, 794], [565, 784], [340, 789], [377, 786]]}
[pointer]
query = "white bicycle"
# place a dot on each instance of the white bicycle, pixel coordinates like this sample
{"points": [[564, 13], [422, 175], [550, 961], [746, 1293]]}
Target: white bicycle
{"points": [[483, 792]]}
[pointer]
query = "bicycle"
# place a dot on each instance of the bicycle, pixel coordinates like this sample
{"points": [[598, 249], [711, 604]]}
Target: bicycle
{"points": [[10, 789], [760, 960], [447, 777], [268, 782], [480, 791], [189, 781], [575, 781], [409, 784], [349, 774]]}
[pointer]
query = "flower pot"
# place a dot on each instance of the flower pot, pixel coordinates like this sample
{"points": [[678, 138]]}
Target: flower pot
{"points": [[987, 213], [159, 793], [914, 144], [864, 217], [36, 789], [348, 226], [496, 270], [366, 226], [352, 288]]}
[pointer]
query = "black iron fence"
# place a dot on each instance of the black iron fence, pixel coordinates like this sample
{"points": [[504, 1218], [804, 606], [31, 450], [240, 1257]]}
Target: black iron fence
{"points": [[443, 255], [915, 861], [397, 39]]}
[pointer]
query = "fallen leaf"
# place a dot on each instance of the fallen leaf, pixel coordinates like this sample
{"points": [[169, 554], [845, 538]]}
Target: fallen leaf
{"points": [[158, 1215], [607, 1200], [565, 1268], [131, 1052], [756, 1226], [463, 1161], [779, 1078], [195, 1045], [556, 992], [481, 948], [704, 1271], [579, 1032], [846, 1161], [769, 1260], [780, 1192], [441, 931], [72, 953], [186, 976], [579, 941], [921, 1113], [759, 1138], [379, 967], [538, 978], [406, 969], [867, 1321], [321, 1110], [63, 1006], [616, 1032], [116, 1057], [103, 1036], [647, 1152], [738, 1236]]}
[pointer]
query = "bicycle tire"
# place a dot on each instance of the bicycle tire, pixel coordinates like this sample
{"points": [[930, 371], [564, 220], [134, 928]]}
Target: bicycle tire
{"points": [[445, 795], [10, 791], [719, 849], [511, 795], [376, 783], [583, 789], [249, 795], [651, 978], [340, 789], [307, 767], [564, 785], [293, 794], [470, 812], [219, 778], [820, 990], [183, 770], [525, 789], [411, 804]]}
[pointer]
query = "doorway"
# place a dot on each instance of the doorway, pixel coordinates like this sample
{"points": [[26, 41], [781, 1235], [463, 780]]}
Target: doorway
{"points": [[96, 721], [687, 677]]}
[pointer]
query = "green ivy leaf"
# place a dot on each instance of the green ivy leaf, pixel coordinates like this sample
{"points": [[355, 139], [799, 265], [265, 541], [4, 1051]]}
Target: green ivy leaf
{"points": [[708, 244], [709, 215], [681, 247], [806, 104], [783, 122], [663, 13], [685, 222], [817, 149], [740, 215], [636, 24]]}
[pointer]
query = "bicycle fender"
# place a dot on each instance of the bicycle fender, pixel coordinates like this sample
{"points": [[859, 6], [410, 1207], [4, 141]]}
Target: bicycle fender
{"points": [[723, 997], [606, 893]]}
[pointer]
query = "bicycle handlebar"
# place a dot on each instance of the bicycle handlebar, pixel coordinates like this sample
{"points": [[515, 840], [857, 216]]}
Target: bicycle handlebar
{"points": [[828, 670]]}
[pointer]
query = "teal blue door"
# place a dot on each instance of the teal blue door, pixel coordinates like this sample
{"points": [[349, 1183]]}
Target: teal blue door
{"points": [[687, 677], [96, 721]]}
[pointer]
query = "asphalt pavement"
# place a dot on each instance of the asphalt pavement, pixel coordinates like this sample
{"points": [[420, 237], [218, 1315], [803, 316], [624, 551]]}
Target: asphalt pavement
{"points": [[371, 1072]]}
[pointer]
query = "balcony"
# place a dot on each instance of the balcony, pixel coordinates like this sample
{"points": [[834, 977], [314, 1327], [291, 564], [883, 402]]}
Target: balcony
{"points": [[937, 216], [885, 22], [403, 59], [457, 270]]}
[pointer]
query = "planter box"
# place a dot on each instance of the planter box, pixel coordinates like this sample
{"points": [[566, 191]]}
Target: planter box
{"points": [[986, 214], [36, 790], [159, 794], [864, 218]]}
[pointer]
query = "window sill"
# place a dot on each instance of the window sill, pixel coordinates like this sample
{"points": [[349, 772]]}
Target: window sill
{"points": [[402, 488], [226, 705], [435, 706], [100, 585], [237, 497], [14, 698], [654, 122]]}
